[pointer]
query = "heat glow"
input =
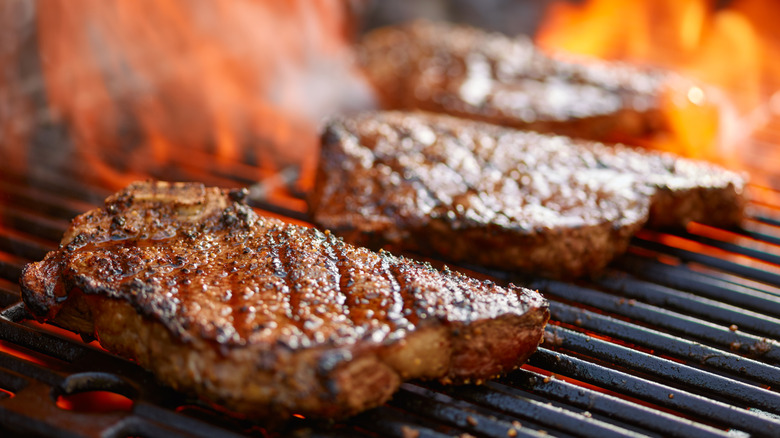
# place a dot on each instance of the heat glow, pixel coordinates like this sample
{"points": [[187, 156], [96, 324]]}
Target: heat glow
{"points": [[735, 50], [141, 83]]}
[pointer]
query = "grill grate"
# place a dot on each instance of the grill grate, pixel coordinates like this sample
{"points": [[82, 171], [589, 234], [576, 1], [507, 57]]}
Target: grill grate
{"points": [[680, 338]]}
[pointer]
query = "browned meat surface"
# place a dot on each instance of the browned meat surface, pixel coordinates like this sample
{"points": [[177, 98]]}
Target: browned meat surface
{"points": [[467, 72], [477, 192], [269, 318]]}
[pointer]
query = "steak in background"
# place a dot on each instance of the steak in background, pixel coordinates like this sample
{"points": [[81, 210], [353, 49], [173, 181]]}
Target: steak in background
{"points": [[467, 72], [495, 196], [265, 317]]}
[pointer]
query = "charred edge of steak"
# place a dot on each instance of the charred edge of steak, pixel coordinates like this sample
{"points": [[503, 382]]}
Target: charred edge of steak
{"points": [[722, 207], [317, 383]]}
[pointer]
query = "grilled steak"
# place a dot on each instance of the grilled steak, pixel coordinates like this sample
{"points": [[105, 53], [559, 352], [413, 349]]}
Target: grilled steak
{"points": [[269, 318], [477, 192], [467, 72]]}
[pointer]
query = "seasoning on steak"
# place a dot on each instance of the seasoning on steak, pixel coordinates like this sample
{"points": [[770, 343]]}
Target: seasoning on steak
{"points": [[269, 318], [470, 73], [499, 197]]}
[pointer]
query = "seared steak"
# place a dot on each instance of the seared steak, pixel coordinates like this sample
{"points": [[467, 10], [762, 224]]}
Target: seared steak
{"points": [[477, 192], [467, 72], [269, 318]]}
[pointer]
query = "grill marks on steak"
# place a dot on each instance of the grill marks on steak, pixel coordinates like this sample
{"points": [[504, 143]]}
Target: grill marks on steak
{"points": [[510, 199], [266, 317], [470, 73]]}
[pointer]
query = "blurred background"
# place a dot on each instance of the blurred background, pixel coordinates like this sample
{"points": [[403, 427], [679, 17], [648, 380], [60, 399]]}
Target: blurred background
{"points": [[121, 90]]}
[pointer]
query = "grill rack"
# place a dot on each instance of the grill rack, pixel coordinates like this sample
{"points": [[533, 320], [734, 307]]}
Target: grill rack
{"points": [[670, 342]]}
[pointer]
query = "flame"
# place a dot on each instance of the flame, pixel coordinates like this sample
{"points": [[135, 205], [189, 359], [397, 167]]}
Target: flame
{"points": [[735, 49], [141, 83], [15, 109]]}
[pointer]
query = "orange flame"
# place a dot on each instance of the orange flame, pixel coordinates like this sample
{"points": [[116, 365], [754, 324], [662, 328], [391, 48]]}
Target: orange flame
{"points": [[15, 110], [140, 83], [734, 48]]}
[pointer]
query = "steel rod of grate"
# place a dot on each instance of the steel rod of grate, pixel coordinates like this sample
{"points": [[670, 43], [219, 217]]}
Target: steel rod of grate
{"points": [[11, 266], [677, 373], [767, 349], [390, 422], [541, 412], [43, 203], [604, 404], [18, 245], [37, 340], [41, 373], [527, 407], [691, 304], [73, 191], [683, 278], [32, 224], [666, 344], [9, 293], [730, 247], [179, 422], [725, 265], [668, 397], [763, 237], [429, 404], [21, 423], [766, 219]]}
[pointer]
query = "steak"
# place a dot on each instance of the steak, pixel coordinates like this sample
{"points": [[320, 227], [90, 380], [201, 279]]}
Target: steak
{"points": [[515, 200], [269, 318], [470, 73]]}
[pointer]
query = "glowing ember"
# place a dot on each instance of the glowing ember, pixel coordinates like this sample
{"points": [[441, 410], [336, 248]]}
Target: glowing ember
{"points": [[95, 401], [735, 49]]}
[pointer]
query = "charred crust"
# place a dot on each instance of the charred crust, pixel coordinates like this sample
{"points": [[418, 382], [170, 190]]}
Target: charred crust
{"points": [[118, 222], [79, 240], [238, 195], [330, 135], [38, 294]]}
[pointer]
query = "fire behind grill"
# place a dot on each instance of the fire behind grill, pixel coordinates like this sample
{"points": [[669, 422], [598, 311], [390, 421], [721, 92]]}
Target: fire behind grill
{"points": [[680, 338]]}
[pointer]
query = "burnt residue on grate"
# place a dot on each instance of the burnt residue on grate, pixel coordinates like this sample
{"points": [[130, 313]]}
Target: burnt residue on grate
{"points": [[670, 342]]}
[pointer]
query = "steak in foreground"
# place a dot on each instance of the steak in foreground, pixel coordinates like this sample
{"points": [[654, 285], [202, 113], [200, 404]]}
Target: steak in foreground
{"points": [[494, 196], [269, 318]]}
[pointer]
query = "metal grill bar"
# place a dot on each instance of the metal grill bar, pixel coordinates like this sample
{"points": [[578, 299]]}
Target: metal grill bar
{"points": [[759, 236], [527, 407], [457, 414], [715, 412], [609, 406], [674, 372], [767, 220], [691, 352], [683, 278], [714, 262], [731, 247], [691, 304], [392, 423], [680, 324]]}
